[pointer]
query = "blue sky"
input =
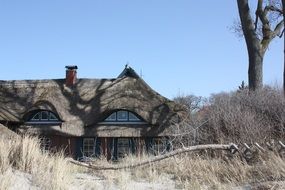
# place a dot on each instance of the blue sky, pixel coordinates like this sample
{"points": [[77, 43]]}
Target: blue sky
{"points": [[182, 46]]}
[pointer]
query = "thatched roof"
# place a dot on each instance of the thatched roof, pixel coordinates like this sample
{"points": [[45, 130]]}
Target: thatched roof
{"points": [[87, 103], [6, 133]]}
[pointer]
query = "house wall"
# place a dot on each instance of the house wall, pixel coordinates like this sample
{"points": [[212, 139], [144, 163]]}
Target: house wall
{"points": [[108, 147], [112, 148], [66, 144]]}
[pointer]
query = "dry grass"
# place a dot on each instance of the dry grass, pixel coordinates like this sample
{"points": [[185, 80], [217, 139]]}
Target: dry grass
{"points": [[24, 154], [188, 171], [192, 171], [196, 171], [5, 179]]}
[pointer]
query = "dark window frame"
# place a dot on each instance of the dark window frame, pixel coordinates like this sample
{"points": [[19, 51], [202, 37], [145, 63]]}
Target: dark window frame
{"points": [[88, 147], [129, 119], [36, 117], [45, 144]]}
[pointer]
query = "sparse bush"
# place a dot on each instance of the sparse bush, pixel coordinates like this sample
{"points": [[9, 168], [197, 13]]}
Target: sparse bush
{"points": [[245, 116], [240, 116], [191, 102], [186, 132]]}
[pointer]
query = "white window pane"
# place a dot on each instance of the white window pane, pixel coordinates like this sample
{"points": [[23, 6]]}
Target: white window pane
{"points": [[132, 117], [112, 117], [122, 116]]}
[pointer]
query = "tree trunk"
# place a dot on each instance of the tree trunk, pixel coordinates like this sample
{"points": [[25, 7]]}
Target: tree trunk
{"points": [[254, 47], [255, 68], [283, 9]]}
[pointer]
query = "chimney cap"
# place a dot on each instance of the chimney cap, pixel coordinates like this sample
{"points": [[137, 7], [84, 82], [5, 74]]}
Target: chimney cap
{"points": [[71, 67]]}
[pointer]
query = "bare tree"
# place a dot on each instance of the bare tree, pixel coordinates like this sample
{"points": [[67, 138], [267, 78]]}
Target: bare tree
{"points": [[193, 103], [257, 42], [283, 8], [186, 133]]}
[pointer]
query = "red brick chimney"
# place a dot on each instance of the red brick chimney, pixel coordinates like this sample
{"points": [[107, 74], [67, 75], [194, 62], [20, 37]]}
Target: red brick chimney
{"points": [[71, 77]]}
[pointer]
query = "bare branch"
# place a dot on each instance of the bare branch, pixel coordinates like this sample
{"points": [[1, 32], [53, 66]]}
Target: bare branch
{"points": [[262, 14], [278, 28], [258, 9], [273, 8], [228, 147]]}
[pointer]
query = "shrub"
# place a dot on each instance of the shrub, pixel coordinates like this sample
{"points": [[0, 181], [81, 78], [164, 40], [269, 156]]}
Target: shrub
{"points": [[240, 116], [244, 116]]}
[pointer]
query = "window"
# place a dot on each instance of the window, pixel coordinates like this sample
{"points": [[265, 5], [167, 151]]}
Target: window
{"points": [[45, 144], [88, 147], [36, 117], [112, 117], [132, 117], [43, 116], [123, 116], [158, 146], [123, 147], [52, 117]]}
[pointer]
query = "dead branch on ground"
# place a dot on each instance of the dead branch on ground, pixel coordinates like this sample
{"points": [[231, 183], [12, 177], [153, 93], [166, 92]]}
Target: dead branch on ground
{"points": [[230, 147]]}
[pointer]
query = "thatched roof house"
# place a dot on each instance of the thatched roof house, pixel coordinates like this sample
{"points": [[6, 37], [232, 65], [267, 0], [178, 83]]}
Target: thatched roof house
{"points": [[121, 107]]}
